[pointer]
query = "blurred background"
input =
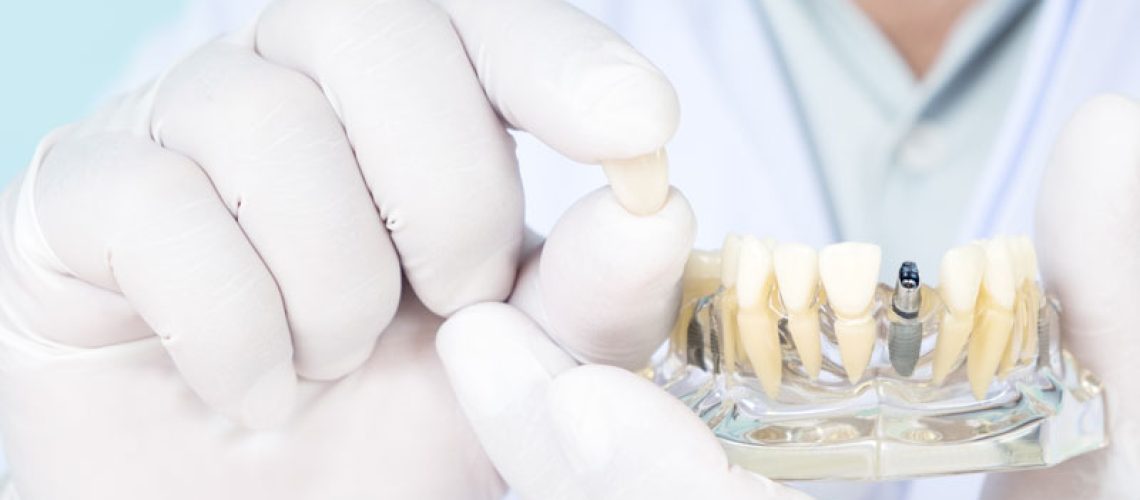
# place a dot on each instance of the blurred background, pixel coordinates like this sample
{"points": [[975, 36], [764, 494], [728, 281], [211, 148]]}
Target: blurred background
{"points": [[60, 57]]}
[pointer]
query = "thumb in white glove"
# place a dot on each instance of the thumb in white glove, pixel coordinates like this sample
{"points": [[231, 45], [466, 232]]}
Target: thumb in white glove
{"points": [[1088, 234]]}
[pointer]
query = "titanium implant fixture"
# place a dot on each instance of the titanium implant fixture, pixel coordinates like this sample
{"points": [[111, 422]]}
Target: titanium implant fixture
{"points": [[905, 332]]}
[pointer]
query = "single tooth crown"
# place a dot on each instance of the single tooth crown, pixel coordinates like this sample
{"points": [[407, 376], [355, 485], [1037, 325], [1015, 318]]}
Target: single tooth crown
{"points": [[701, 278], [797, 272], [729, 259], [850, 272], [754, 274], [702, 265], [960, 276], [1024, 259], [640, 184], [997, 280]]}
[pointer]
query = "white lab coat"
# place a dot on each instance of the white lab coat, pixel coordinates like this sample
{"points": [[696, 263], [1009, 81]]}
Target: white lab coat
{"points": [[740, 155]]}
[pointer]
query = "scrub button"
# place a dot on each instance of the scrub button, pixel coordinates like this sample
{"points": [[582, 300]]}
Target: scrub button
{"points": [[922, 149]]}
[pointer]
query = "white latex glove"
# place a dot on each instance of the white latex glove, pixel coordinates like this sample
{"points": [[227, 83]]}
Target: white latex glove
{"points": [[231, 242], [1088, 235], [603, 288]]}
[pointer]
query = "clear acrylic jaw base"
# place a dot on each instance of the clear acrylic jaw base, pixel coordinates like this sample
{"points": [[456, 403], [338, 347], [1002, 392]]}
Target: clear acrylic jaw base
{"points": [[1042, 411]]}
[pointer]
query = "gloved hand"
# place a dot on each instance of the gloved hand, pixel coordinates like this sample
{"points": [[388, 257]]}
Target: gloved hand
{"points": [[559, 430], [1088, 236], [545, 379], [227, 248]]}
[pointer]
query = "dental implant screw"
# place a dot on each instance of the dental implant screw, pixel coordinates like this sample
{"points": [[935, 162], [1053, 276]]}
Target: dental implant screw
{"points": [[904, 337]]}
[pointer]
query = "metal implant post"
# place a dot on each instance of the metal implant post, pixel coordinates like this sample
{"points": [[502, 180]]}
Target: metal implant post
{"points": [[905, 333]]}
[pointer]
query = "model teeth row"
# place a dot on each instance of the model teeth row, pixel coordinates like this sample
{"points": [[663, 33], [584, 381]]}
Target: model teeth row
{"points": [[988, 289]]}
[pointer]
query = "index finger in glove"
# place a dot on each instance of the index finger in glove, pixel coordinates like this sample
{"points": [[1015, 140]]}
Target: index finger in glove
{"points": [[561, 75]]}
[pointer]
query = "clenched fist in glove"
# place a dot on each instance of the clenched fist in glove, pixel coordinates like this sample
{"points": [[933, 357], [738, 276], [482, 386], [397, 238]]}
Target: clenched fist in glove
{"points": [[227, 284]]}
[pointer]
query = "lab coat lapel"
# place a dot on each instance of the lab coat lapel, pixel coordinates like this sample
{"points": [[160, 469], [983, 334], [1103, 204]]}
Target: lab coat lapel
{"points": [[784, 196], [1081, 49]]}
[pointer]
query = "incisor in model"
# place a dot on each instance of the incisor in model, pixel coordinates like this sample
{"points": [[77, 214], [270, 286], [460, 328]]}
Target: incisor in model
{"points": [[850, 274], [797, 277]]}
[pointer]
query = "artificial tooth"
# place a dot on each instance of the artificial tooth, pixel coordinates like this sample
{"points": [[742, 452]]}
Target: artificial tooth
{"points": [[701, 278], [850, 273], [701, 267], [755, 319], [995, 318], [1024, 258], [960, 276], [641, 184], [729, 260], [797, 277]]}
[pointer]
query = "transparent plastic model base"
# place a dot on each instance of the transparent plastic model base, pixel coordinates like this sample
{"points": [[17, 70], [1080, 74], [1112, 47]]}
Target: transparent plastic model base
{"points": [[1040, 410]]}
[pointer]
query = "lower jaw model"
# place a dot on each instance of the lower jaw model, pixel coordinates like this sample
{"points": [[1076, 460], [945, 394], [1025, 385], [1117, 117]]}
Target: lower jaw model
{"points": [[806, 367]]}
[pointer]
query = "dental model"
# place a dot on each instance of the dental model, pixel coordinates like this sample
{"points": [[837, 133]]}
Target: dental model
{"points": [[987, 304], [904, 336], [754, 318], [782, 362], [960, 276], [797, 277], [850, 273], [995, 318], [640, 184]]}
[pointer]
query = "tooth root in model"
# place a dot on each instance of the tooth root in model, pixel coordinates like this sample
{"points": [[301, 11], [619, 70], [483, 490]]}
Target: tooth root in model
{"points": [[756, 320], [797, 278], [1021, 260], [994, 322], [904, 336], [850, 274], [729, 260], [1012, 352], [1029, 295], [641, 184], [701, 278]]}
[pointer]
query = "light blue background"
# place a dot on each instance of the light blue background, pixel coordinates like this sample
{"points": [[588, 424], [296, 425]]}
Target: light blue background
{"points": [[57, 57]]}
